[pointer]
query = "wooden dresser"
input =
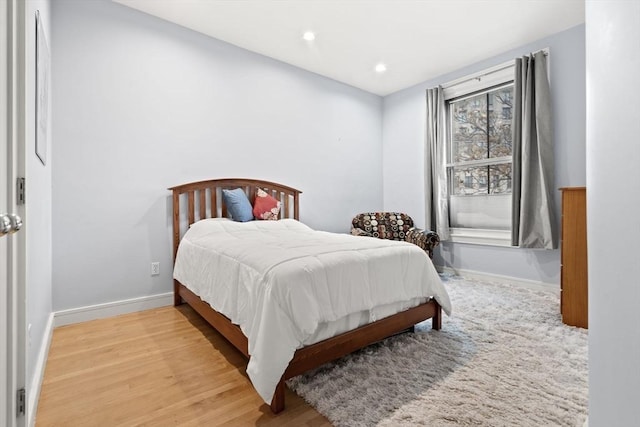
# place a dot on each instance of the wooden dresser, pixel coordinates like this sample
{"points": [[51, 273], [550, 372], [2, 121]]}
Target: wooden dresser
{"points": [[573, 269]]}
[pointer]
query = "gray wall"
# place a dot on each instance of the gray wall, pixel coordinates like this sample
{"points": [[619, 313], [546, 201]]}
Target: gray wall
{"points": [[403, 155], [141, 104], [613, 155], [38, 204]]}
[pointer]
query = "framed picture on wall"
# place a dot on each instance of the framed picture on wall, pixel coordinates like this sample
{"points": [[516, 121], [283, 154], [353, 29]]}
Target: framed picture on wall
{"points": [[42, 91]]}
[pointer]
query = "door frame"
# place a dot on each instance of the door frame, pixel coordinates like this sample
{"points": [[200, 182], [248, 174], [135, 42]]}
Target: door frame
{"points": [[4, 204], [14, 112]]}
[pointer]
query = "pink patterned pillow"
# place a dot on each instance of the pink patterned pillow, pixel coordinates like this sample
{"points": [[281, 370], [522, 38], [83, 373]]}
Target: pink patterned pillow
{"points": [[265, 206]]}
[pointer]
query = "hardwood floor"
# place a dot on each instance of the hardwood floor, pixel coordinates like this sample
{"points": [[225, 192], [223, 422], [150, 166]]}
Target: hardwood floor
{"points": [[122, 371]]}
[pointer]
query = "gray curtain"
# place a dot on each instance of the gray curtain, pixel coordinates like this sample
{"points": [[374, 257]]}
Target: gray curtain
{"points": [[533, 220], [435, 175]]}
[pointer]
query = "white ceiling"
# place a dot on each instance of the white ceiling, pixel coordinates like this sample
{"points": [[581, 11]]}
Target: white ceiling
{"points": [[417, 40]]}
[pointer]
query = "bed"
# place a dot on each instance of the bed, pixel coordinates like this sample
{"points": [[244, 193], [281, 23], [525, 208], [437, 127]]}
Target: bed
{"points": [[282, 326]]}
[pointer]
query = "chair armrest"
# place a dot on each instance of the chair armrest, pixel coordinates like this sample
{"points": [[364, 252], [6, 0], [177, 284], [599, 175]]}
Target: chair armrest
{"points": [[426, 239], [360, 232]]}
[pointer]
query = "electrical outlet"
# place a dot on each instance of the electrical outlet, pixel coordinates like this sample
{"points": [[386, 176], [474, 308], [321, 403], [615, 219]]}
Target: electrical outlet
{"points": [[155, 268]]}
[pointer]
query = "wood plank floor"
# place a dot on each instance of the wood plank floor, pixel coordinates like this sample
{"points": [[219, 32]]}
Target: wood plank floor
{"points": [[162, 367]]}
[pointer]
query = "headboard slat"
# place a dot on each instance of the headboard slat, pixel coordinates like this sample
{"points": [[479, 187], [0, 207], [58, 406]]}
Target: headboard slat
{"points": [[203, 203], [214, 201], [190, 207], [286, 208]]}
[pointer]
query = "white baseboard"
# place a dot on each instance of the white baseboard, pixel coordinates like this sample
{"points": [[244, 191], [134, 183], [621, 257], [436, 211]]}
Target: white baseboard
{"points": [[531, 284], [100, 311], [38, 374]]}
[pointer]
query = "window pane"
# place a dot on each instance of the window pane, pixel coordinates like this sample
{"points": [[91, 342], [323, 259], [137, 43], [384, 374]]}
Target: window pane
{"points": [[476, 180], [469, 129], [470, 180], [500, 105], [500, 179], [492, 212]]}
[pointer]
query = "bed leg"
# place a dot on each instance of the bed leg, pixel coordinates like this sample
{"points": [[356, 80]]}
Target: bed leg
{"points": [[177, 299], [277, 403], [437, 318]]}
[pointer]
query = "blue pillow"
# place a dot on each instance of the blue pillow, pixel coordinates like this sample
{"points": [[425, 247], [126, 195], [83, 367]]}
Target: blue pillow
{"points": [[238, 205]]}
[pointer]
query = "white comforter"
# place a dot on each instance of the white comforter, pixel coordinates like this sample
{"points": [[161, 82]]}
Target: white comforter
{"points": [[279, 280]]}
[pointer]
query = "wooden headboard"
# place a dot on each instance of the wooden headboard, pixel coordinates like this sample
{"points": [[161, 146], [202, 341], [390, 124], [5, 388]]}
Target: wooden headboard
{"points": [[203, 199]]}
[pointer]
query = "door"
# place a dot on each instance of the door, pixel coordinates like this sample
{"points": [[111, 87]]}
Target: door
{"points": [[12, 260]]}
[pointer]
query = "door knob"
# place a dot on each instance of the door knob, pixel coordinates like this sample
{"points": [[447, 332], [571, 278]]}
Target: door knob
{"points": [[16, 222], [9, 223], [5, 224]]}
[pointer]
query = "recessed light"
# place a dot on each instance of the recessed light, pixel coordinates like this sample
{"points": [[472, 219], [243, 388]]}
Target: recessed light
{"points": [[309, 36], [381, 68]]}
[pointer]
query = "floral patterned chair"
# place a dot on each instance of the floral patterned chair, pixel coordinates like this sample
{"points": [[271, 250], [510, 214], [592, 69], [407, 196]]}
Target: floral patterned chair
{"points": [[394, 226]]}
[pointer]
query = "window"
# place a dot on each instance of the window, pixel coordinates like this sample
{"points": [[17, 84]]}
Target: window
{"points": [[479, 158], [480, 147]]}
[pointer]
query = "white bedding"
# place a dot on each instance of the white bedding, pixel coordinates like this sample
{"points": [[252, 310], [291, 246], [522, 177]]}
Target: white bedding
{"points": [[283, 282]]}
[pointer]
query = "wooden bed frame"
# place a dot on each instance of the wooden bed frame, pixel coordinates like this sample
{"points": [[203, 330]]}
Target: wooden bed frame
{"points": [[204, 200]]}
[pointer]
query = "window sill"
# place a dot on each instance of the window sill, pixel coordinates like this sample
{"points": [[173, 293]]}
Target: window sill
{"points": [[478, 236]]}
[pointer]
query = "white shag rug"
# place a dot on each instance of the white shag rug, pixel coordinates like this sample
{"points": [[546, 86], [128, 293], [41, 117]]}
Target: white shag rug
{"points": [[504, 358]]}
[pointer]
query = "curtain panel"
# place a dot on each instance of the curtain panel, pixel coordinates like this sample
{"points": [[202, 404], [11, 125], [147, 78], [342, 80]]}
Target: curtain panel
{"points": [[533, 222], [435, 174]]}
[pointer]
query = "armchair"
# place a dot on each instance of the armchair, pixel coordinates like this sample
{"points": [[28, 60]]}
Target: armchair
{"points": [[394, 226]]}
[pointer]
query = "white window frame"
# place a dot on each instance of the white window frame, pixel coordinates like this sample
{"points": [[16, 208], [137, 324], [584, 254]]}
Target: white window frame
{"points": [[495, 76]]}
